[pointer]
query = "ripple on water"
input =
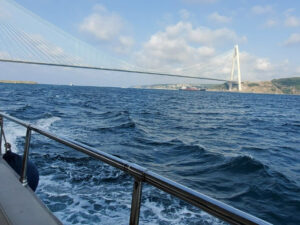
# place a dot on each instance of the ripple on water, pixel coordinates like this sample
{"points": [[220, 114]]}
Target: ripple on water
{"points": [[239, 148]]}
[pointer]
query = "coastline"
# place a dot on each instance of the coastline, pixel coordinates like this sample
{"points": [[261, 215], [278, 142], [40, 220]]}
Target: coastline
{"points": [[290, 86], [17, 82]]}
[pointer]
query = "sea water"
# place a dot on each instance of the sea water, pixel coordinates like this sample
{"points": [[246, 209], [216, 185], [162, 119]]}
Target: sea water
{"points": [[242, 149]]}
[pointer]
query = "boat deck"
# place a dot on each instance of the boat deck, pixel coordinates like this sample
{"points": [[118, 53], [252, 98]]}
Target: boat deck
{"points": [[18, 204]]}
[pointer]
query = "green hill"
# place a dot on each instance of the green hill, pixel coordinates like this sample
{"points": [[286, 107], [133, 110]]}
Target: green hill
{"points": [[288, 85]]}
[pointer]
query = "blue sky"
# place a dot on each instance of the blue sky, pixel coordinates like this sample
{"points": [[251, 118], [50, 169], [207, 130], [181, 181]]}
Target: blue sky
{"points": [[172, 34]]}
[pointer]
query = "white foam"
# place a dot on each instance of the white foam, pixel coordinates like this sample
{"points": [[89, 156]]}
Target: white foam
{"points": [[174, 213], [14, 131], [46, 123]]}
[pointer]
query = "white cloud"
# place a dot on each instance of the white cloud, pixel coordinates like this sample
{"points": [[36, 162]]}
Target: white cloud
{"points": [[288, 12], [184, 14], [202, 35], [184, 49], [263, 64], [101, 24], [216, 17], [254, 68], [259, 9], [294, 39], [270, 23], [125, 44], [161, 49], [106, 26], [192, 51], [192, 63], [208, 36], [100, 8], [126, 41], [292, 21]]}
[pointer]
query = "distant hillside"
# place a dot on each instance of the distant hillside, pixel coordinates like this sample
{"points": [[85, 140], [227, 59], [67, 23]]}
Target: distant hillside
{"points": [[276, 86], [17, 82], [174, 86], [288, 85]]}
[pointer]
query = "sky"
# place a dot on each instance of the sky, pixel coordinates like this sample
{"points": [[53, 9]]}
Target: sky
{"points": [[179, 36]]}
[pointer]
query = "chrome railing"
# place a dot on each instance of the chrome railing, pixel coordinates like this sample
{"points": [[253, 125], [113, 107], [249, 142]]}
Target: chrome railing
{"points": [[141, 175]]}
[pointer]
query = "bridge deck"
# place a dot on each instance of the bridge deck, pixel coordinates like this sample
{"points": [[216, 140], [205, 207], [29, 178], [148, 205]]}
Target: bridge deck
{"points": [[18, 204], [113, 70]]}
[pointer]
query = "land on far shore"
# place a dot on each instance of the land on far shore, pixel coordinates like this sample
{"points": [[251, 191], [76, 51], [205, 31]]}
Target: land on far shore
{"points": [[17, 82], [275, 86]]}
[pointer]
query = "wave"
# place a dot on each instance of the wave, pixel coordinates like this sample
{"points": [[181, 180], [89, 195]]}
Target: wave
{"points": [[100, 194], [118, 127], [242, 165], [203, 142], [24, 108], [15, 133], [113, 121], [113, 114], [294, 125], [47, 123]]}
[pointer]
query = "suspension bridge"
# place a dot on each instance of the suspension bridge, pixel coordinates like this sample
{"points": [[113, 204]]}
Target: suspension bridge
{"points": [[28, 39]]}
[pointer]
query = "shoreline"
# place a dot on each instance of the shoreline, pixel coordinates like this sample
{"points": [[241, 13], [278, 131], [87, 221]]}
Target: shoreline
{"points": [[17, 82], [220, 91], [289, 86]]}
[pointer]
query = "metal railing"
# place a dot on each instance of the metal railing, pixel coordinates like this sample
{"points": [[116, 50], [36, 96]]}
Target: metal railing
{"points": [[141, 175]]}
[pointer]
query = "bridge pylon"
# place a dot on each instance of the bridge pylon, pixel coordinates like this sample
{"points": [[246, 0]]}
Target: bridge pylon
{"points": [[236, 61]]}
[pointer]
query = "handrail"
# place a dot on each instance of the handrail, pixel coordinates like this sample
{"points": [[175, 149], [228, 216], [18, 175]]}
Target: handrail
{"points": [[141, 174]]}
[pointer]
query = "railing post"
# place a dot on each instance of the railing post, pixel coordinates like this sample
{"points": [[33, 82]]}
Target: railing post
{"points": [[136, 202], [1, 128], [23, 178]]}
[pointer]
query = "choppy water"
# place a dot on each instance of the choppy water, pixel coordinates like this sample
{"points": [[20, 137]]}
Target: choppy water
{"points": [[243, 149]]}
